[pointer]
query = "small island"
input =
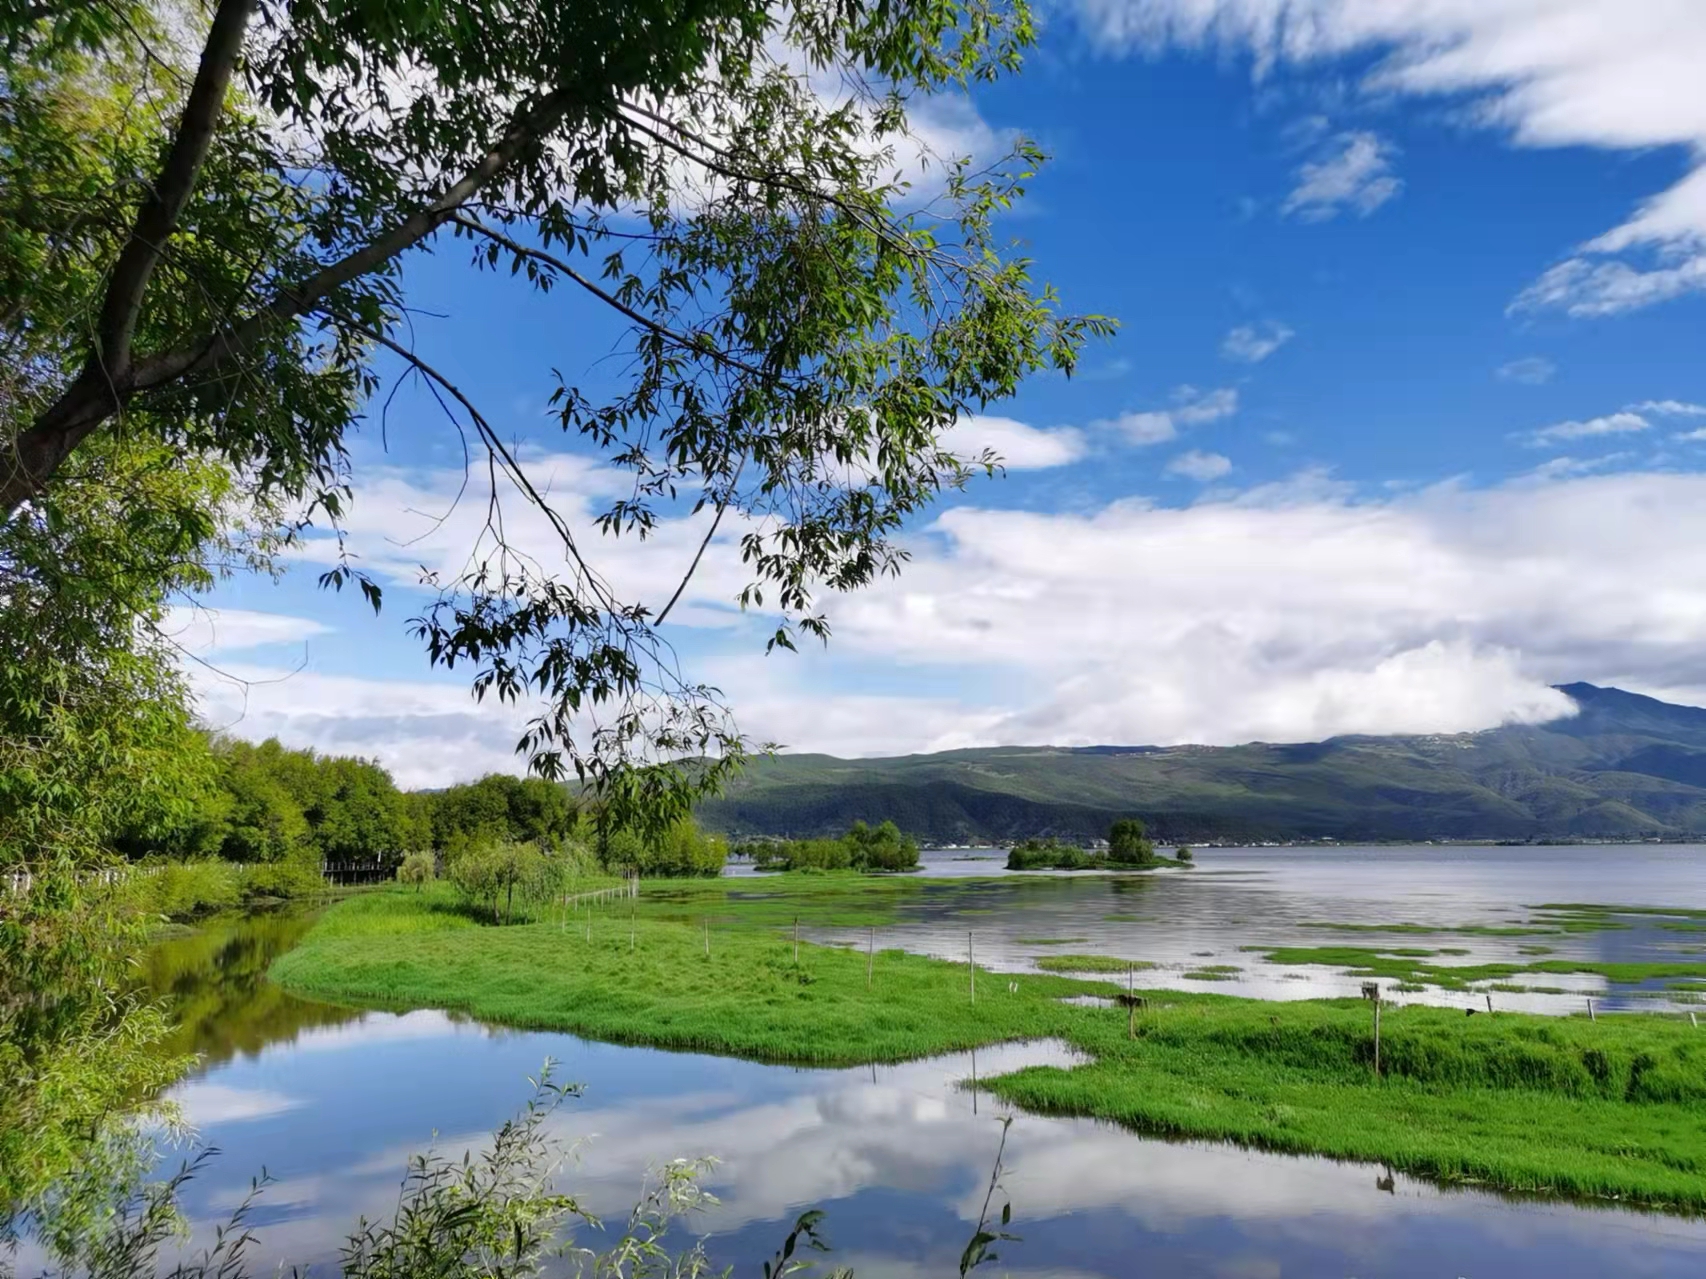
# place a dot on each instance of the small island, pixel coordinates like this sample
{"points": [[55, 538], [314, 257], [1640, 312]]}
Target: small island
{"points": [[1129, 848]]}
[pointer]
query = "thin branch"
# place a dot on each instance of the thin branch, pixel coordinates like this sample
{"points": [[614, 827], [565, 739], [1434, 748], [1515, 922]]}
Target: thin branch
{"points": [[499, 450], [700, 554], [604, 295]]}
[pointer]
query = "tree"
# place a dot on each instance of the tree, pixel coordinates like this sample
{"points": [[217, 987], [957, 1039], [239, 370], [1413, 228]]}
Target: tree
{"points": [[1128, 843], [803, 324], [418, 869], [502, 807]]}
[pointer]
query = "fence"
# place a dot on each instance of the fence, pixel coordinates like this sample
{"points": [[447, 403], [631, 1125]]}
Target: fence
{"points": [[349, 873]]}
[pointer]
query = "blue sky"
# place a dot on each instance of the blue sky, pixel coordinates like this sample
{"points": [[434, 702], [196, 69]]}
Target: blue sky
{"points": [[1411, 298]]}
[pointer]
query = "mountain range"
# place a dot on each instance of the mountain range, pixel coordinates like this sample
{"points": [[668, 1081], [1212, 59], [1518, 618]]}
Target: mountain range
{"points": [[1624, 766]]}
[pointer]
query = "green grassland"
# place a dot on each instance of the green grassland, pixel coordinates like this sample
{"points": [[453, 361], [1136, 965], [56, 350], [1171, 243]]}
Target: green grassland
{"points": [[1613, 1109]]}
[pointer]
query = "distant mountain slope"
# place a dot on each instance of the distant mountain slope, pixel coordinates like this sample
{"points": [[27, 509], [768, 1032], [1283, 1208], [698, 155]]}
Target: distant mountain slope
{"points": [[1626, 765]]}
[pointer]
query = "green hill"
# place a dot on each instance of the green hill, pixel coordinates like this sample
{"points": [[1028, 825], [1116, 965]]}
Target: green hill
{"points": [[1626, 766]]}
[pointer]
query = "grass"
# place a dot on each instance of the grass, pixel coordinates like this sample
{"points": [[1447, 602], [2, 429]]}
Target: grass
{"points": [[1613, 1109], [1049, 941], [1410, 966], [1438, 930], [1090, 964], [1213, 972]]}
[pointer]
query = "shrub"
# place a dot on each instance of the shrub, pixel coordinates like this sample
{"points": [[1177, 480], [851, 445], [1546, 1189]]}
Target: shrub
{"points": [[1182, 854], [504, 876], [417, 869]]}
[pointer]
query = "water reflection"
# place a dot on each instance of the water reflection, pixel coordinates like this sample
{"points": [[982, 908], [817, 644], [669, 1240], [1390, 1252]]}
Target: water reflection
{"points": [[214, 981], [897, 1156], [332, 1102], [1238, 903]]}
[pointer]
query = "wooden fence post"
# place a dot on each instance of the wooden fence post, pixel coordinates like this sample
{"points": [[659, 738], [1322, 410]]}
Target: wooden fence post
{"points": [[870, 957], [971, 964], [1130, 1002], [1371, 992], [1591, 1017], [796, 941]]}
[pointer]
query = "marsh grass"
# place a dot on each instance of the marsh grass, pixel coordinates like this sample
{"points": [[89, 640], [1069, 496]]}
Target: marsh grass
{"points": [[1091, 964], [1411, 966], [1614, 1108]]}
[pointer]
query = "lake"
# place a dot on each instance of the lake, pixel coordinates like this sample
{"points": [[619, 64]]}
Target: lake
{"points": [[331, 1102]]}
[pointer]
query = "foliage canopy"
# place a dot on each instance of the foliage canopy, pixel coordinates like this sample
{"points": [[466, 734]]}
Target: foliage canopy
{"points": [[210, 224]]}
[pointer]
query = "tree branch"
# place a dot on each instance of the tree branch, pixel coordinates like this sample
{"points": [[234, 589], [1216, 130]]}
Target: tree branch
{"points": [[604, 295], [158, 217], [93, 397]]}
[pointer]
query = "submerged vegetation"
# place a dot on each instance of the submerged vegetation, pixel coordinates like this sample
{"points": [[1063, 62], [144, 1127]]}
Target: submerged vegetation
{"points": [[1613, 1108], [1414, 966]]}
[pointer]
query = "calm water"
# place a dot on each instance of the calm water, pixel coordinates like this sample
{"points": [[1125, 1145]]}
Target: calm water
{"points": [[331, 1102], [1237, 902]]}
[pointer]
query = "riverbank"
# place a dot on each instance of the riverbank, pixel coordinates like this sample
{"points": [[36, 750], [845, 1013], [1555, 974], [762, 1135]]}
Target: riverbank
{"points": [[1607, 1109]]}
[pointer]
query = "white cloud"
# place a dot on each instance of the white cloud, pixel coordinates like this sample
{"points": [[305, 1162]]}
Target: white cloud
{"points": [[1535, 370], [1670, 408], [1191, 407], [204, 1103], [1562, 468], [231, 630], [1354, 173], [1200, 466], [1253, 343], [1020, 447], [427, 733], [1620, 423], [1288, 611], [1603, 73]]}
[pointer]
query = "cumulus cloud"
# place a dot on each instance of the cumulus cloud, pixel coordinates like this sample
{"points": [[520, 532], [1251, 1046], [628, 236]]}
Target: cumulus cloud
{"points": [[1191, 407], [1353, 173], [1019, 447], [1200, 466], [1535, 370], [1620, 423], [1290, 611], [1253, 343], [1670, 408], [1599, 73], [1626, 421]]}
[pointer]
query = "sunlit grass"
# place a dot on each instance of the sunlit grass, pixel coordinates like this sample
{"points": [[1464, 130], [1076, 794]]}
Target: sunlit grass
{"points": [[1613, 1108]]}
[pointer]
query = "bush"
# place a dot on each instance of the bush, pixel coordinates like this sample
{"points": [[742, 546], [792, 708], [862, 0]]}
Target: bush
{"points": [[1182, 854], [507, 877], [417, 869]]}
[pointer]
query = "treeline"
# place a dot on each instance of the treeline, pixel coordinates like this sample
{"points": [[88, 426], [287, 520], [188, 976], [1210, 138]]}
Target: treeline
{"points": [[862, 848], [283, 814]]}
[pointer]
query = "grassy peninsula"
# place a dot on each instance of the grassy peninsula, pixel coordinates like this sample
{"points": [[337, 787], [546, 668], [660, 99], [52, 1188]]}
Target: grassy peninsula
{"points": [[1611, 1109]]}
